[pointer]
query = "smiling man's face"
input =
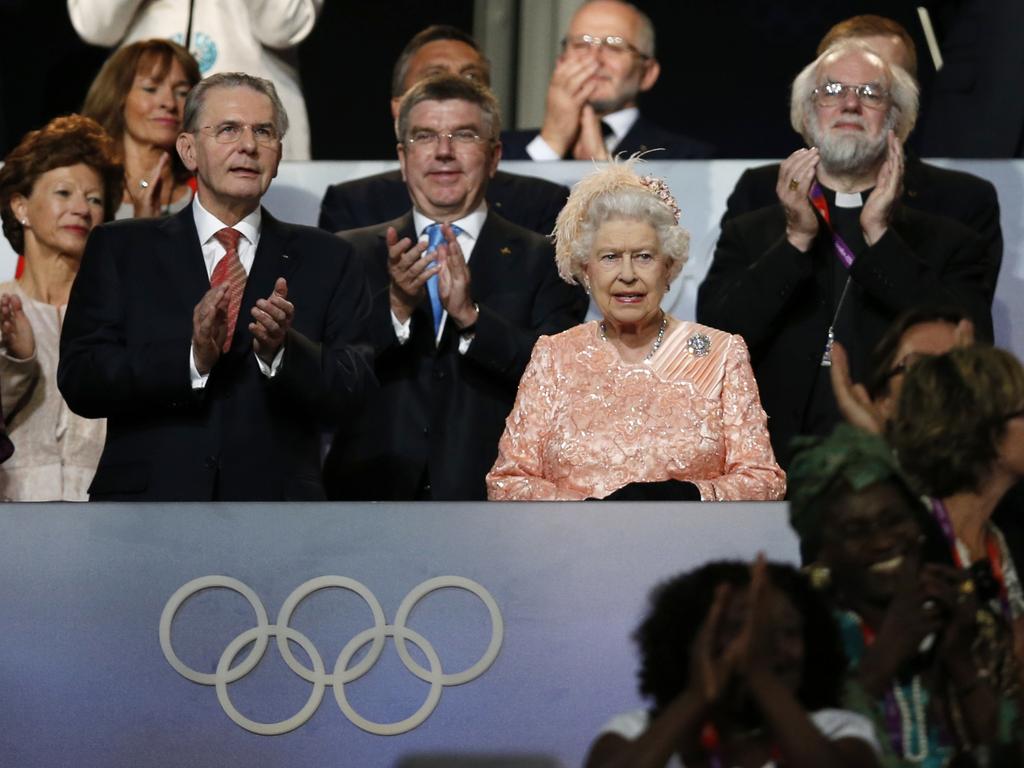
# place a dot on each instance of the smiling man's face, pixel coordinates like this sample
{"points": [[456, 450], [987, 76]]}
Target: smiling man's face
{"points": [[447, 179]]}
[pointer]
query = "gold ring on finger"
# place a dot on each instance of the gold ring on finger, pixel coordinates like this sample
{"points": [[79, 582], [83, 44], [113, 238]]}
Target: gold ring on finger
{"points": [[793, 185]]}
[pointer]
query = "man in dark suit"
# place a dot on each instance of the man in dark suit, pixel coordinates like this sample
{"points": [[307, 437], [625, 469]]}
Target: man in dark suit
{"points": [[961, 196], [607, 61], [524, 200], [835, 258], [210, 391], [460, 296]]}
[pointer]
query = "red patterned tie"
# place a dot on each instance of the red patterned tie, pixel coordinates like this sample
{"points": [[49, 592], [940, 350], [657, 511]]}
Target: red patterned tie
{"points": [[229, 270]]}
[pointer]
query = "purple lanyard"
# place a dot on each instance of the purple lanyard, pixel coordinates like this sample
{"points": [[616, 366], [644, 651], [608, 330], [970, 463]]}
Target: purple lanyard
{"points": [[843, 253]]}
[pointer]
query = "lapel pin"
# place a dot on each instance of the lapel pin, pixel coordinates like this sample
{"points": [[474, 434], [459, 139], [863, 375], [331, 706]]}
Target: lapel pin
{"points": [[284, 255], [506, 251]]}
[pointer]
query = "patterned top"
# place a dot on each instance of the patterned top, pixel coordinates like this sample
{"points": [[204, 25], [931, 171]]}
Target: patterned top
{"points": [[585, 423]]}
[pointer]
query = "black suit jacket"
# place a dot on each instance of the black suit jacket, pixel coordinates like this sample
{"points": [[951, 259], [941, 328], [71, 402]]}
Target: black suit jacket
{"points": [[644, 135], [524, 200], [124, 355], [437, 410], [957, 195], [778, 298]]}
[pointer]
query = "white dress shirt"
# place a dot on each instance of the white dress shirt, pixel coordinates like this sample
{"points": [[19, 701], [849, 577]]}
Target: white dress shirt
{"points": [[208, 225], [470, 226]]}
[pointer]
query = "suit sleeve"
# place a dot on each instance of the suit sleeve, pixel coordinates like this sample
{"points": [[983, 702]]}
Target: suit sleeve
{"points": [[331, 378], [518, 472], [503, 347], [751, 472], [895, 276], [100, 374], [983, 218], [335, 214], [745, 292]]}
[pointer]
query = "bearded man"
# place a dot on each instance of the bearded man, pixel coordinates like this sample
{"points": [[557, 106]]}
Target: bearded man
{"points": [[836, 258]]}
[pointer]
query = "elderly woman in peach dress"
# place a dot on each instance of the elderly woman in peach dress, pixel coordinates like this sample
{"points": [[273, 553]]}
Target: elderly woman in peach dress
{"points": [[639, 405]]}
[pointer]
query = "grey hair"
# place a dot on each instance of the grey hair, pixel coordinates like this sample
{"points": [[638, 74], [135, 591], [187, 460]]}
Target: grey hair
{"points": [[630, 204], [903, 92], [196, 99], [447, 87]]}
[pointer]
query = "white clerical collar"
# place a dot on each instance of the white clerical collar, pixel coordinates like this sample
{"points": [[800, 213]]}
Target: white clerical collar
{"points": [[207, 224], [849, 200], [620, 122], [471, 224]]}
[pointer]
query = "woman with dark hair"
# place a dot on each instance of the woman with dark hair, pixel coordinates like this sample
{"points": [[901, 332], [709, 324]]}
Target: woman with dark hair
{"points": [[56, 186], [139, 98], [925, 665], [743, 666], [959, 433]]}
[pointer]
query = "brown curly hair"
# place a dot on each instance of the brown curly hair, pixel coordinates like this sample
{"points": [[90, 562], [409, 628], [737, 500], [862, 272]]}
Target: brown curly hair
{"points": [[62, 142], [952, 416]]}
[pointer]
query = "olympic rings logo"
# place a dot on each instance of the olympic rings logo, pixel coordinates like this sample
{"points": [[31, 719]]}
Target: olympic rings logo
{"points": [[376, 635]]}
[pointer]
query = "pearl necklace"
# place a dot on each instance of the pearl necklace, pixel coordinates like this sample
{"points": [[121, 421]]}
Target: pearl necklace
{"points": [[908, 724], [657, 341]]}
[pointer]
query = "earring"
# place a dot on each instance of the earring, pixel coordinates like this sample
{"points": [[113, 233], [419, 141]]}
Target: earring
{"points": [[819, 575], [586, 286]]}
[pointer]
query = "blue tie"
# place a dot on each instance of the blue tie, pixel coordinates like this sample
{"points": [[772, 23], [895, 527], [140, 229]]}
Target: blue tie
{"points": [[434, 238]]}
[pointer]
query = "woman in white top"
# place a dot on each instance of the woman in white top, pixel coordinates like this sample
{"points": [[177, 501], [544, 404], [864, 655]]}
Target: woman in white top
{"points": [[56, 186], [744, 666]]}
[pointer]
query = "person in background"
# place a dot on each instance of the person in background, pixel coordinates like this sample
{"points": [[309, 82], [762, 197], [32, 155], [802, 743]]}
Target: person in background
{"points": [[524, 200], [958, 432], [607, 61], [926, 187], [139, 99], [743, 666], [255, 36], [926, 667], [835, 259], [56, 186], [460, 296]]}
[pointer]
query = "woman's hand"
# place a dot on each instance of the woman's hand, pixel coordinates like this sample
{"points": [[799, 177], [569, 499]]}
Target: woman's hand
{"points": [[15, 328], [147, 193], [853, 400], [709, 674]]}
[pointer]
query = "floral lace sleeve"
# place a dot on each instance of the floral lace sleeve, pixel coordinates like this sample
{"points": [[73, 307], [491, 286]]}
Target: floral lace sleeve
{"points": [[751, 471], [517, 475]]}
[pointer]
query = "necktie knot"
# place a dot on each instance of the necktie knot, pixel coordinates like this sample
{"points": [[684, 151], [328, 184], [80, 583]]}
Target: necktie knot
{"points": [[435, 235], [228, 237]]}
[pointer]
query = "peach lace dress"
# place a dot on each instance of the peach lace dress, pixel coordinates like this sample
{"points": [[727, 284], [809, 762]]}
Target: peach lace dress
{"points": [[585, 423]]}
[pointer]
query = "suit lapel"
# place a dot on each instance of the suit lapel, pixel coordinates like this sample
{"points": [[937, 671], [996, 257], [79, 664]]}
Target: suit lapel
{"points": [[182, 256]]}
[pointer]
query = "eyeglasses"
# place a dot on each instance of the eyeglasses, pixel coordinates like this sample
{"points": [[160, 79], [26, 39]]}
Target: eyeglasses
{"points": [[868, 94], [613, 44], [228, 133], [464, 137], [901, 366]]}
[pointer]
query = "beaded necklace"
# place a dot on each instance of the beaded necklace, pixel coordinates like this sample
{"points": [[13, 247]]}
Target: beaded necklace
{"points": [[657, 341]]}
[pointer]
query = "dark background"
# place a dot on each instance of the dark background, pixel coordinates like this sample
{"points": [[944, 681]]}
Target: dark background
{"points": [[726, 67]]}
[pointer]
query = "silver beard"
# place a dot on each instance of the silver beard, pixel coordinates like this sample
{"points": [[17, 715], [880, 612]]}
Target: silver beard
{"points": [[849, 153]]}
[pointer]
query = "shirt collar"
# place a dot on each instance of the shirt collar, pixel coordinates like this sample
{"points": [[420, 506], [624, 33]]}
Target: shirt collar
{"points": [[620, 122], [207, 224], [471, 224]]}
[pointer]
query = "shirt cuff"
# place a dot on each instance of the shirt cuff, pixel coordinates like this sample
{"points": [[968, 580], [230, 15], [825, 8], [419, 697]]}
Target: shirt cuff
{"points": [[538, 149], [401, 329], [465, 341], [270, 371], [198, 379]]}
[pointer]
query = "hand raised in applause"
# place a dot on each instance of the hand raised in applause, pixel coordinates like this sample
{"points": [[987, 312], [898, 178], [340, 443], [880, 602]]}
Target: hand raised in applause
{"points": [[570, 88], [209, 328], [409, 273], [272, 318], [453, 281], [15, 329], [877, 210], [147, 201], [796, 175], [590, 144]]}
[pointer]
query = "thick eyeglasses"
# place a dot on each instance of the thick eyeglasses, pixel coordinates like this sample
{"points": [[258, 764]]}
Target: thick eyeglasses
{"points": [[868, 94], [428, 139], [613, 44], [228, 133]]}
